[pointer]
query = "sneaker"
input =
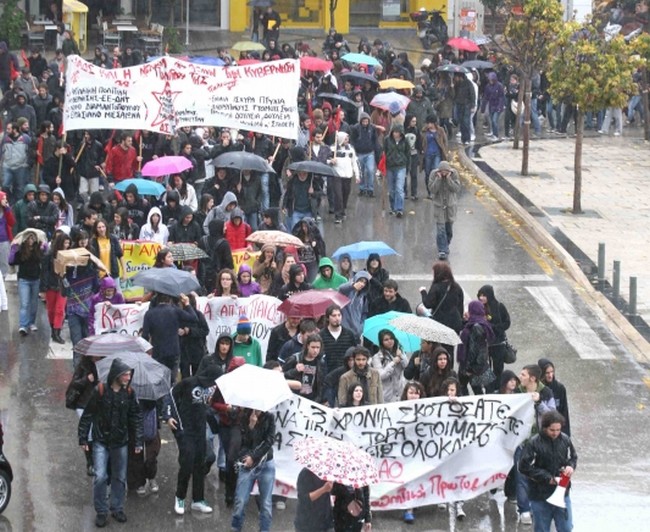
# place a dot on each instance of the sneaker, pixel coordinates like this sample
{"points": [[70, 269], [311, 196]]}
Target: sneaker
{"points": [[442, 256], [472, 138], [337, 220], [153, 485], [23, 331], [179, 506], [90, 471], [414, 198], [392, 213], [101, 520], [602, 133], [399, 214], [120, 516], [460, 513], [458, 134], [33, 327], [525, 518], [617, 133], [442, 506], [142, 490], [280, 505], [200, 506], [409, 517]]}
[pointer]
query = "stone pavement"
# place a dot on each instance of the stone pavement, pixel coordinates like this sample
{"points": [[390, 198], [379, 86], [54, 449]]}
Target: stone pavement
{"points": [[615, 200]]}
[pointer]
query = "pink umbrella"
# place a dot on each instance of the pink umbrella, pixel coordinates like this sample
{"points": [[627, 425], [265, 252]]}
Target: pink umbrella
{"points": [[461, 43], [311, 303], [384, 99], [172, 164], [315, 64]]}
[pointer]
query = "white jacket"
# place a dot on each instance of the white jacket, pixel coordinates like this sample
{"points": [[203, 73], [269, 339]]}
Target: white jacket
{"points": [[346, 163]]}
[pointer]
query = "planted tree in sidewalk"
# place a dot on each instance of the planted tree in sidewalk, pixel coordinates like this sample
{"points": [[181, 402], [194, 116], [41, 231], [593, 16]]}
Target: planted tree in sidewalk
{"points": [[595, 74], [333, 5], [530, 31], [641, 46]]}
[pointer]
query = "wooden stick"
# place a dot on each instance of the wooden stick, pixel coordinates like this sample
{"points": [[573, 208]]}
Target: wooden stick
{"points": [[81, 150], [61, 155], [140, 161], [37, 177]]}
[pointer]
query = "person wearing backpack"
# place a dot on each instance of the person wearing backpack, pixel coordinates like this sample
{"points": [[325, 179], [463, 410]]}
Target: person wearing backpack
{"points": [[112, 411]]}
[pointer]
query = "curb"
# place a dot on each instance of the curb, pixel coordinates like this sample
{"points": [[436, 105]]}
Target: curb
{"points": [[618, 324]]}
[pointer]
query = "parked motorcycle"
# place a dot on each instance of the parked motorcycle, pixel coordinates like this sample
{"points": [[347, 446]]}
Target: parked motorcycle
{"points": [[6, 476], [431, 27]]}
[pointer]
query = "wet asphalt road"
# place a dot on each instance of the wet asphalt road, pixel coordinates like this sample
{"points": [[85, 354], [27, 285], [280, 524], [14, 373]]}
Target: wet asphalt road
{"points": [[607, 395]]}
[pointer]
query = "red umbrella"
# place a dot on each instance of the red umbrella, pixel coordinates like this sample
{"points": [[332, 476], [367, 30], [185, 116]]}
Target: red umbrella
{"points": [[315, 64], [244, 62], [461, 43], [311, 303]]}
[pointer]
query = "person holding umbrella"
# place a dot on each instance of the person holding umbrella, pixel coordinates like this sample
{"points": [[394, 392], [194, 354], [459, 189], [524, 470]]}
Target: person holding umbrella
{"points": [[314, 510]]}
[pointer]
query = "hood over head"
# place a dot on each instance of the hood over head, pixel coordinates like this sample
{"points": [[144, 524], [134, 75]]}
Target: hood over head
{"points": [[294, 270], [297, 154], [107, 283], [59, 191], [363, 115], [117, 368], [325, 261], [492, 76], [487, 291], [397, 127], [44, 188], [215, 228], [29, 188], [133, 190], [371, 257], [437, 352], [244, 268], [223, 336], [274, 214], [96, 198], [506, 376], [544, 363], [361, 275], [185, 211], [228, 198], [326, 105], [237, 213], [173, 195], [445, 167], [154, 210]]}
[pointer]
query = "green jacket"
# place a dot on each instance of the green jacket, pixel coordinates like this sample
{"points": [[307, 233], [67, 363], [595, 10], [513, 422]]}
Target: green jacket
{"points": [[398, 154], [250, 351], [20, 210], [321, 283]]}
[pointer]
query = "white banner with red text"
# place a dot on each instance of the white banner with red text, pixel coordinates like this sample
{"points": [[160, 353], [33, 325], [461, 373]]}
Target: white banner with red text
{"points": [[221, 313], [169, 93], [427, 451]]}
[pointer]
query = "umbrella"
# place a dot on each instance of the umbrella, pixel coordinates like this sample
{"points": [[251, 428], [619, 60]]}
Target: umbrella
{"points": [[361, 59], [359, 77], [244, 62], [250, 386], [337, 461], [207, 60], [243, 160], [41, 237], [478, 64], [312, 303], [315, 64], [260, 3], [426, 329], [168, 281], [186, 251], [362, 249], [373, 325], [150, 380], [482, 40], [247, 46], [171, 164], [461, 43], [276, 238], [102, 345], [384, 99], [336, 97], [314, 167], [452, 68], [395, 83], [145, 187]]}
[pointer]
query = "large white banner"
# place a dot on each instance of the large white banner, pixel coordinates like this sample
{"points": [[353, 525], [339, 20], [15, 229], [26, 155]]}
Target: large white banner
{"points": [[221, 313], [428, 451], [169, 93]]}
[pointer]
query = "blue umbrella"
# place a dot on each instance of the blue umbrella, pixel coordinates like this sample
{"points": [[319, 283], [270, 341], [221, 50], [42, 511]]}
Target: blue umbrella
{"points": [[145, 187], [207, 60], [372, 326], [361, 59], [361, 250]]}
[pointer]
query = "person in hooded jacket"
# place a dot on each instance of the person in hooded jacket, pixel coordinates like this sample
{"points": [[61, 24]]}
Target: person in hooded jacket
{"points": [[42, 213], [64, 209], [185, 414], [155, 230], [193, 340], [497, 314], [171, 210], [437, 372], [247, 287], [109, 295], [122, 226], [356, 311], [219, 185], [21, 206], [223, 211], [249, 194], [365, 140], [137, 207], [296, 283], [89, 158], [313, 246], [473, 358], [558, 389], [237, 230], [327, 276], [112, 412], [186, 230], [58, 172], [398, 158], [219, 253], [378, 276]]}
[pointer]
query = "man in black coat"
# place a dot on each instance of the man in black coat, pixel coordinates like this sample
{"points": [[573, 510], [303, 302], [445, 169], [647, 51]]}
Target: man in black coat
{"points": [[391, 300], [559, 391], [112, 413]]}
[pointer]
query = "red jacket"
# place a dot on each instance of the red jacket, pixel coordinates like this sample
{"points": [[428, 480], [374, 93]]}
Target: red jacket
{"points": [[236, 234], [122, 164], [9, 221]]}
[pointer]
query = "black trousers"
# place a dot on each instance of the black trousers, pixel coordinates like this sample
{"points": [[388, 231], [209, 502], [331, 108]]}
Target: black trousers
{"points": [[191, 459]]}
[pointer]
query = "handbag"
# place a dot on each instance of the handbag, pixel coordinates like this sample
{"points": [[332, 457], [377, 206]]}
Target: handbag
{"points": [[510, 353], [150, 424], [72, 395], [484, 379], [355, 508]]}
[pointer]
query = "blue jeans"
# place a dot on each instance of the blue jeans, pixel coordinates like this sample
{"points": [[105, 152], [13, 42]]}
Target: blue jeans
{"points": [[444, 232], [534, 116], [396, 178], [265, 476], [494, 122], [78, 326], [252, 219], [368, 169], [28, 295], [266, 197], [431, 162], [544, 513], [14, 181], [296, 217], [635, 104], [521, 485], [118, 458]]}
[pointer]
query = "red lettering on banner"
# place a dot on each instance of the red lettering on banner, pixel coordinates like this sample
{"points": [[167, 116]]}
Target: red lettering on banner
{"points": [[228, 310], [150, 249], [127, 247], [390, 470], [402, 496]]}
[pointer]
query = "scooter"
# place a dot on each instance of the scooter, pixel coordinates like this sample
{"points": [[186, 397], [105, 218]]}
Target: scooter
{"points": [[431, 27], [6, 477]]}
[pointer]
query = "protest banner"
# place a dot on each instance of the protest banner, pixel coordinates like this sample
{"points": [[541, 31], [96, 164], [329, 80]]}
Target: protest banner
{"points": [[427, 451], [169, 93], [221, 313], [244, 256], [138, 257]]}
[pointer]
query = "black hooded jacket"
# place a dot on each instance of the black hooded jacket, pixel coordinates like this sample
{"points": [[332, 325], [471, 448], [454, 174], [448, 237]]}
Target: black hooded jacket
{"points": [[377, 279], [185, 233], [171, 214], [292, 287], [559, 394], [214, 360], [139, 209], [220, 254], [112, 415], [497, 314]]}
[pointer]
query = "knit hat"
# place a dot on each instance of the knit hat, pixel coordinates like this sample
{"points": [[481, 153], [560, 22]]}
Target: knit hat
{"points": [[21, 122], [243, 325], [394, 108]]}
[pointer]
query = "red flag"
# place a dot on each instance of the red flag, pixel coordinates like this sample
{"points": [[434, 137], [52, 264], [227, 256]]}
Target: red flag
{"points": [[381, 165], [39, 150], [109, 144], [24, 57]]}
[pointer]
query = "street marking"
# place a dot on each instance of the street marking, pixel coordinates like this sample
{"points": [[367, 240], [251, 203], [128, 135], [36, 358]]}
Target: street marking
{"points": [[506, 278], [574, 328]]}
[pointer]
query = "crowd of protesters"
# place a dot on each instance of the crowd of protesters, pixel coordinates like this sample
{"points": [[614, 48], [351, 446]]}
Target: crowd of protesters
{"points": [[63, 186]]}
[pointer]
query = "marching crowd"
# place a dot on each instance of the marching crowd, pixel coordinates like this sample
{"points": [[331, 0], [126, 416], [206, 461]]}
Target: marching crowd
{"points": [[59, 193]]}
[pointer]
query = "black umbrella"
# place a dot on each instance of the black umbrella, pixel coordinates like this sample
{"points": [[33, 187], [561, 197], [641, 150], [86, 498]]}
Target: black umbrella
{"points": [[336, 97], [168, 281], [477, 64], [359, 77], [313, 167], [186, 251], [452, 68], [243, 160], [260, 3], [150, 379]]}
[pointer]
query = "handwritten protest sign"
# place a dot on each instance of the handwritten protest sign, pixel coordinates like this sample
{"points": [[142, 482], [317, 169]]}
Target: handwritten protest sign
{"points": [[138, 256], [221, 313], [427, 451], [169, 93], [244, 256]]}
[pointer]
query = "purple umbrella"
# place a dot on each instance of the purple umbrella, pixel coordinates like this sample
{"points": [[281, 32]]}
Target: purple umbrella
{"points": [[172, 164]]}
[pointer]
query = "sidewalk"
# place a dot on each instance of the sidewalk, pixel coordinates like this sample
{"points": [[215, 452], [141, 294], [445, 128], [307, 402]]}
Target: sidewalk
{"points": [[615, 200]]}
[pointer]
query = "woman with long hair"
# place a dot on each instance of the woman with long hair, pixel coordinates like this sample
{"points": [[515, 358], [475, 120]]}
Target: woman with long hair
{"points": [[28, 258], [390, 362], [413, 391], [52, 289], [265, 268], [122, 226], [473, 358], [355, 396], [64, 211], [107, 248], [439, 370], [164, 259], [498, 316], [205, 206], [282, 277], [226, 285], [186, 192]]}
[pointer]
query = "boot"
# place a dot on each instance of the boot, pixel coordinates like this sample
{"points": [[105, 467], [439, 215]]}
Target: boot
{"points": [[56, 336]]}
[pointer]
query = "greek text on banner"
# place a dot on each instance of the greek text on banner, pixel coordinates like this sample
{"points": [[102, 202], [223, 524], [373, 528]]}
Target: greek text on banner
{"points": [[169, 93]]}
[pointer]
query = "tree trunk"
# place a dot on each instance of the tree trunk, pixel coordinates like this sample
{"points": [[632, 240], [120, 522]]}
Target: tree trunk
{"points": [[517, 128], [493, 23], [526, 129], [332, 10], [577, 163], [646, 110]]}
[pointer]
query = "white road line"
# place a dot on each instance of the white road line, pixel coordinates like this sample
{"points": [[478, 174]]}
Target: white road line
{"points": [[514, 278], [574, 328]]}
